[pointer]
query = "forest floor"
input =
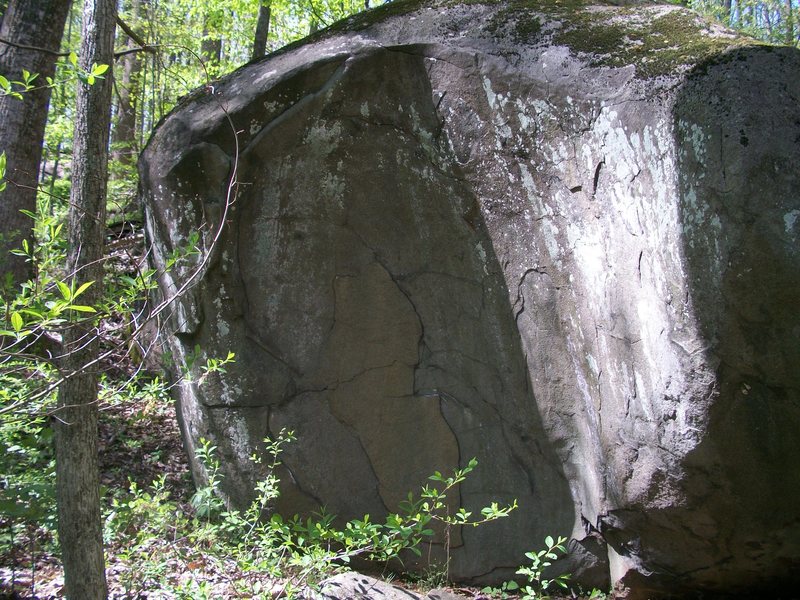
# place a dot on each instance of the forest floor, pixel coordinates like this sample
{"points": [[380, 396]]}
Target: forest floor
{"points": [[140, 442]]}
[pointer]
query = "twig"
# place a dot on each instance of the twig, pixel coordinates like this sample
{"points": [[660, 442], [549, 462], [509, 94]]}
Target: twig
{"points": [[34, 48]]}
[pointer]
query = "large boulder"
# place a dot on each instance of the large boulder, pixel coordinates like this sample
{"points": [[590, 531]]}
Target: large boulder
{"points": [[561, 237]]}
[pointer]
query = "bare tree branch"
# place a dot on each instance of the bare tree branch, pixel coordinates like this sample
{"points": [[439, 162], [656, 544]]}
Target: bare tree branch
{"points": [[33, 48]]}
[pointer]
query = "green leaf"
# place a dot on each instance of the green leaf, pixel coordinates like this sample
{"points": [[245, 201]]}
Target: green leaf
{"points": [[73, 58], [16, 321], [81, 308], [549, 542], [81, 289], [66, 293], [5, 83], [99, 69]]}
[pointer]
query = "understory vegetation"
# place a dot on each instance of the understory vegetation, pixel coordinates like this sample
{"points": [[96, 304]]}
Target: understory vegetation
{"points": [[166, 539]]}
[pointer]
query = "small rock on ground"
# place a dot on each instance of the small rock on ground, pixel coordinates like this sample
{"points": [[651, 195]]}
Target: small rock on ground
{"points": [[355, 586]]}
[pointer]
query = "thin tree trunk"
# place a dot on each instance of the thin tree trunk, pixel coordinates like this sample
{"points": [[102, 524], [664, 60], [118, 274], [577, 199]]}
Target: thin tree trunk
{"points": [[54, 175], [790, 24], [211, 51], [37, 23], [123, 135], [262, 30], [77, 480]]}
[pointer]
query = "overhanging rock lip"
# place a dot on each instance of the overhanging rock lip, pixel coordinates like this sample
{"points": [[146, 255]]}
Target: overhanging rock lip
{"points": [[591, 30]]}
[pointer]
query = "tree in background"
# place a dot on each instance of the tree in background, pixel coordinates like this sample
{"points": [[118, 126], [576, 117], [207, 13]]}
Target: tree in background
{"points": [[30, 37], [124, 147], [262, 29], [769, 20]]}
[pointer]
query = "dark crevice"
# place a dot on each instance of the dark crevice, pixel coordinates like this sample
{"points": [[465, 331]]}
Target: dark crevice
{"points": [[597, 176]]}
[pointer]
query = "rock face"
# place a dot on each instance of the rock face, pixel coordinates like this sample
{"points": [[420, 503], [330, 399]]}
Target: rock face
{"points": [[560, 239]]}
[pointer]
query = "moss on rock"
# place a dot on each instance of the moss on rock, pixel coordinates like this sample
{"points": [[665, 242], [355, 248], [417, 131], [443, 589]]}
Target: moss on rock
{"points": [[657, 39]]}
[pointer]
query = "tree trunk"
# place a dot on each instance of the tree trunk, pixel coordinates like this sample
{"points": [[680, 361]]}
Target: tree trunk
{"points": [[77, 481], [123, 135], [211, 48], [727, 12], [262, 30], [37, 23]]}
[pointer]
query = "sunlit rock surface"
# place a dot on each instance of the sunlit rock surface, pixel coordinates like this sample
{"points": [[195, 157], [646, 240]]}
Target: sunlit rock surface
{"points": [[560, 239]]}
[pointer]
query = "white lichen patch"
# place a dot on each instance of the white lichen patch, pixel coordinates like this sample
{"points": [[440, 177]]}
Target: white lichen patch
{"points": [[270, 106], [332, 186], [425, 136], [697, 140], [789, 223], [263, 78], [323, 137], [238, 435], [589, 254]]}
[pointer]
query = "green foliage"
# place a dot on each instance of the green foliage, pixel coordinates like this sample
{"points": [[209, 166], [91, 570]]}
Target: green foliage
{"points": [[537, 584], [43, 305], [776, 21], [68, 71], [145, 522], [94, 73], [206, 501], [27, 466], [15, 89], [264, 554]]}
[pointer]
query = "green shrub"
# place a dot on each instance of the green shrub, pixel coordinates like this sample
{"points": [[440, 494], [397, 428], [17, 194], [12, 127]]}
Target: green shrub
{"points": [[537, 586], [266, 556]]}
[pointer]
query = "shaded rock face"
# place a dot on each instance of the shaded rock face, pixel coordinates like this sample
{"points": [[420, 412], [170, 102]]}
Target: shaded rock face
{"points": [[456, 232]]}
